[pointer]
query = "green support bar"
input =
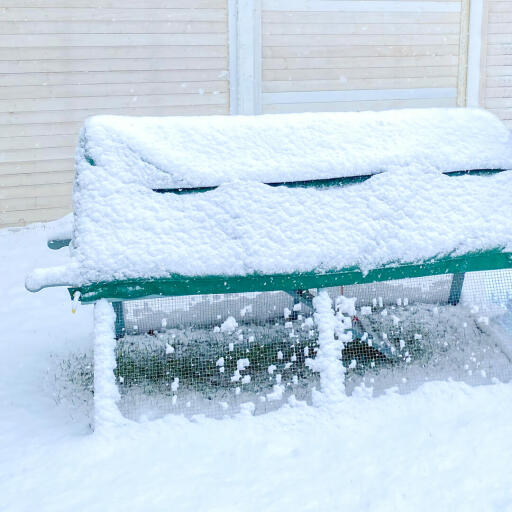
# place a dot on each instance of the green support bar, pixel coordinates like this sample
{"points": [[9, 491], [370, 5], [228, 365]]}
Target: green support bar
{"points": [[176, 285], [456, 288]]}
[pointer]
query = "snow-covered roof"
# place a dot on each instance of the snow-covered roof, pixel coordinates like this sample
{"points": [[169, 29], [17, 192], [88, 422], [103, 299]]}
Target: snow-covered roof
{"points": [[123, 229], [173, 152]]}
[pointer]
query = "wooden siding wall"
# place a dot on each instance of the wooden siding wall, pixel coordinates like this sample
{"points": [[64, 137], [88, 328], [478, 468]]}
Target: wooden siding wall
{"points": [[63, 60], [336, 55], [497, 60]]}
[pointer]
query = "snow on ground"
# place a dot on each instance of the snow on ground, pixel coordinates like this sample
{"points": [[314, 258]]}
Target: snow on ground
{"points": [[445, 446]]}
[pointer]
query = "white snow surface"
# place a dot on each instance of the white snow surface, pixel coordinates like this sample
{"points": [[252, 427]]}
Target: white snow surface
{"points": [[445, 446], [327, 361], [123, 229], [60, 229], [240, 228], [188, 152]]}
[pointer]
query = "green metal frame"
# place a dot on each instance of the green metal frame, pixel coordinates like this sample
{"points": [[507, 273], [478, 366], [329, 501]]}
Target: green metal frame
{"points": [[58, 244], [119, 323], [176, 285]]}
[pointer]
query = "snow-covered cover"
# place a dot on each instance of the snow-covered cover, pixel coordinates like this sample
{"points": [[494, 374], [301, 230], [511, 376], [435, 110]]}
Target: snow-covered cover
{"points": [[123, 229], [246, 227], [172, 152]]}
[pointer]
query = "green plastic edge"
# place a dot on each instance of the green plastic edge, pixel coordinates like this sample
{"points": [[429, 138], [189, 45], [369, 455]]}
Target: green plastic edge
{"points": [[177, 285]]}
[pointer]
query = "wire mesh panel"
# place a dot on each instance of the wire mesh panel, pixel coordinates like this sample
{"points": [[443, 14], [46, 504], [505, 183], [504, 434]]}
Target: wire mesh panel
{"points": [[210, 354]]}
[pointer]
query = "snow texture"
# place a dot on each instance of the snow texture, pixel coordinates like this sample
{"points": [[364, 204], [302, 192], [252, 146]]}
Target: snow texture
{"points": [[123, 229], [229, 325], [189, 152], [328, 357], [60, 229]]}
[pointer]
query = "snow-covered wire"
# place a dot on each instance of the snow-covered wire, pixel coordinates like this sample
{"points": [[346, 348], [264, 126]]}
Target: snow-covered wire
{"points": [[328, 357]]}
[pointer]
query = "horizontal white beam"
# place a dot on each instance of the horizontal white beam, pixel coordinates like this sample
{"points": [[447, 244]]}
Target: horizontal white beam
{"points": [[359, 6], [271, 98]]}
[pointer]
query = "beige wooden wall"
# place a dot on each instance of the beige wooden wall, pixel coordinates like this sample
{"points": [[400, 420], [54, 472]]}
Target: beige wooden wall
{"points": [[333, 55], [496, 91], [63, 60]]}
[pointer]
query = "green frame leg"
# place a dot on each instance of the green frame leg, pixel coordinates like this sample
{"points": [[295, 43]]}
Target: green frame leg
{"points": [[120, 329]]}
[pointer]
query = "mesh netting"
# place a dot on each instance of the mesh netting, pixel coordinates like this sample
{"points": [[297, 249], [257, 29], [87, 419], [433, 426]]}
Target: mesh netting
{"points": [[210, 354]]}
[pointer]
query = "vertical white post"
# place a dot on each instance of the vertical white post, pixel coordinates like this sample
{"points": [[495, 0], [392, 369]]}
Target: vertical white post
{"points": [[106, 394], [474, 53], [245, 56], [233, 55], [328, 357]]}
